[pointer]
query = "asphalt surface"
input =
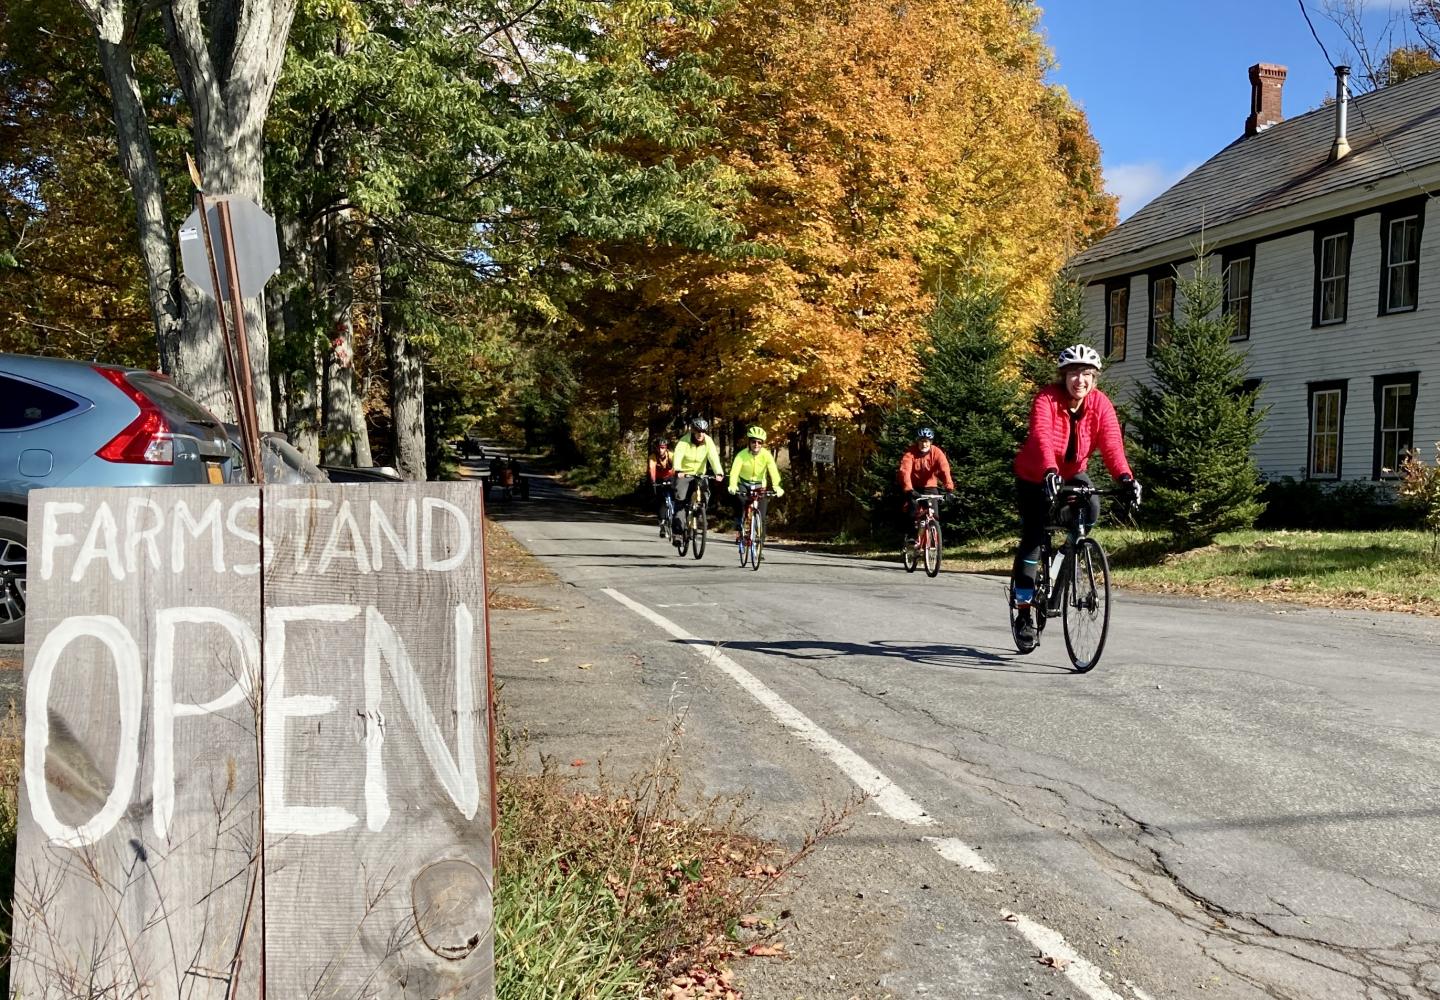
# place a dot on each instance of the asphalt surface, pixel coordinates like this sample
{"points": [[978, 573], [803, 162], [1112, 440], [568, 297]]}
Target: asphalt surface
{"points": [[1242, 800]]}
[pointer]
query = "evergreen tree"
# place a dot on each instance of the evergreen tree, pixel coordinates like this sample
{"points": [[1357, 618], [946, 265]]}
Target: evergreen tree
{"points": [[1196, 426], [968, 393]]}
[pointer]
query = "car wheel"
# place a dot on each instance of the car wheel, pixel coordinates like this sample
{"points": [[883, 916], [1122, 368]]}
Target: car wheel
{"points": [[13, 538]]}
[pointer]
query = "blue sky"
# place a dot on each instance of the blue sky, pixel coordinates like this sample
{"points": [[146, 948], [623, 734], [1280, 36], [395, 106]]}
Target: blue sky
{"points": [[1165, 84]]}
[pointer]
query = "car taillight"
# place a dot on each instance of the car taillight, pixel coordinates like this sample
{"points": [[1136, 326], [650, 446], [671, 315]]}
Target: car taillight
{"points": [[147, 439]]}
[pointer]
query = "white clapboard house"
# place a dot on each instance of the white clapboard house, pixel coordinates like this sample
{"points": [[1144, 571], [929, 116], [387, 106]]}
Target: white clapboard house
{"points": [[1318, 225]]}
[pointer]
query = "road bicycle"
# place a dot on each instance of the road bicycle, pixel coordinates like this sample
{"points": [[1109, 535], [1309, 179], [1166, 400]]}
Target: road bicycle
{"points": [[667, 516], [1072, 582], [692, 535], [752, 528], [927, 544]]}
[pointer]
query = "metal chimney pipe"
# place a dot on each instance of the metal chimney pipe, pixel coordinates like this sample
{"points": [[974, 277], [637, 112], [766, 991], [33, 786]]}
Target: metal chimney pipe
{"points": [[1342, 109]]}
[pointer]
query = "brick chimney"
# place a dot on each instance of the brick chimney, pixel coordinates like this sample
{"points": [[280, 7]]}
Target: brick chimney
{"points": [[1266, 83]]}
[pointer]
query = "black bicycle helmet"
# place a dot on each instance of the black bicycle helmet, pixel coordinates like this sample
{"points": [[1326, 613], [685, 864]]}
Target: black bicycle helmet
{"points": [[700, 424], [925, 434]]}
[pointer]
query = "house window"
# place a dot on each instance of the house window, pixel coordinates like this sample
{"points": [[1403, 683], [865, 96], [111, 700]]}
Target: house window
{"points": [[1117, 312], [1327, 417], [1394, 421], [1400, 232], [1332, 278], [1402, 263], [1162, 311], [1238, 274]]}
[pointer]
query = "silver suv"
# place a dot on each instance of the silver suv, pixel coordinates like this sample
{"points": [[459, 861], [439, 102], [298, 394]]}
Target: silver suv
{"points": [[70, 423]]}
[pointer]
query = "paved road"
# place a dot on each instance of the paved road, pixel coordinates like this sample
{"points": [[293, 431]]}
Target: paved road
{"points": [[1243, 799]]}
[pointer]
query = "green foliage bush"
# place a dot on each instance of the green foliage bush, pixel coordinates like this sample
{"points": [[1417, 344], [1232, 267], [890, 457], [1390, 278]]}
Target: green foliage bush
{"points": [[1352, 505], [607, 463]]}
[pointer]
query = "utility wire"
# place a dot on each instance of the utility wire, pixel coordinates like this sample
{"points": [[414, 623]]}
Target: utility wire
{"points": [[1361, 111]]}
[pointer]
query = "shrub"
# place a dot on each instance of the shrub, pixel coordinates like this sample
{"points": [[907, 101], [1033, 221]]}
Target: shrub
{"points": [[1352, 505], [1420, 490]]}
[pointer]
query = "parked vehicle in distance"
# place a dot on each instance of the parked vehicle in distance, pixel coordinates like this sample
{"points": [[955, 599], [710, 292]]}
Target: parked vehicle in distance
{"points": [[283, 463], [73, 423], [362, 474]]}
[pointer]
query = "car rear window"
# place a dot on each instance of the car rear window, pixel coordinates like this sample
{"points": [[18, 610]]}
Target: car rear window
{"points": [[172, 402], [24, 404]]}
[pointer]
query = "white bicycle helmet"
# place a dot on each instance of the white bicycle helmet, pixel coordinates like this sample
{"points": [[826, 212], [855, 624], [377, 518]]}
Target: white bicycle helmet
{"points": [[1079, 354]]}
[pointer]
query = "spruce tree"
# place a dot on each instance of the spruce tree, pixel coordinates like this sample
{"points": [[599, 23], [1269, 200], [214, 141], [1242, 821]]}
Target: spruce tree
{"points": [[968, 393], [1196, 425]]}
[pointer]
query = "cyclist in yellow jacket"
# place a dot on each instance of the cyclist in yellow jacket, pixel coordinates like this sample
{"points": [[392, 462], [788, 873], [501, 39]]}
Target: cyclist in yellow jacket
{"points": [[750, 468], [693, 453]]}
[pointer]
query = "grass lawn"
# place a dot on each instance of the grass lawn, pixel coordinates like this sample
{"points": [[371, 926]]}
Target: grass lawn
{"points": [[1384, 570]]}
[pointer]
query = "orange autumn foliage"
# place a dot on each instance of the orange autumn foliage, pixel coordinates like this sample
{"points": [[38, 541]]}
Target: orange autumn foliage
{"points": [[889, 149]]}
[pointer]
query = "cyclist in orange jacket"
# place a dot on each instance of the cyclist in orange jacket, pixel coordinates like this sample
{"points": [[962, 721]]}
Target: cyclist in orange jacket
{"points": [[661, 470], [923, 467]]}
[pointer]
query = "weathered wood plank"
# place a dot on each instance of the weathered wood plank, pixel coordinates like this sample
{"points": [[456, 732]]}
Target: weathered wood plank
{"points": [[378, 813], [135, 879]]}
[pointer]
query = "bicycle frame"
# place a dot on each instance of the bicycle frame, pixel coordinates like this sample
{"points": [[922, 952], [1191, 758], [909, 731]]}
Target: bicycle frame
{"points": [[1050, 593]]}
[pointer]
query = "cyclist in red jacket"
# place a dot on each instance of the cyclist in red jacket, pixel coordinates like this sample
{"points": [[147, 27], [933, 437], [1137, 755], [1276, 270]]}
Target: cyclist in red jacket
{"points": [[1069, 421], [923, 467]]}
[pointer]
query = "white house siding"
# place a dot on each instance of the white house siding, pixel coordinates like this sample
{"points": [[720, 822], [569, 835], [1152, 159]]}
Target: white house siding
{"points": [[1286, 353]]}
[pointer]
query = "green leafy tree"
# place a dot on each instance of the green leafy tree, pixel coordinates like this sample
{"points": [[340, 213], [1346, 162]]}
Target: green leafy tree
{"points": [[969, 394], [1196, 425]]}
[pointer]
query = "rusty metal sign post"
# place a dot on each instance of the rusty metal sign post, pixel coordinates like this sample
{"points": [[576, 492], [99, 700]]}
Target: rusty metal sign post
{"points": [[245, 262]]}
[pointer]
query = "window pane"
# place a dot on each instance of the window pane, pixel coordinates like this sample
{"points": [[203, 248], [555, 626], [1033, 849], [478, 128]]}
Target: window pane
{"points": [[23, 404], [1325, 433]]}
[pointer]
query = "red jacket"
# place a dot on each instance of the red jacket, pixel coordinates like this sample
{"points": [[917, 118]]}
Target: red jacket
{"points": [[917, 471], [1049, 438]]}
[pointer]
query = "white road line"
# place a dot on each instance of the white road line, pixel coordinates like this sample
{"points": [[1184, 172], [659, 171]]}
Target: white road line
{"points": [[891, 799], [1079, 971], [960, 853]]}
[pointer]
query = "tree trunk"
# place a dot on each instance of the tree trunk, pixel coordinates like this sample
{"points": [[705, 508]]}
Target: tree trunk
{"points": [[407, 381], [346, 439], [228, 81]]}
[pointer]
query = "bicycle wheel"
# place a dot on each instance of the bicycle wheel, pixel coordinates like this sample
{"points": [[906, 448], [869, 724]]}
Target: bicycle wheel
{"points": [[908, 552], [1087, 604], [757, 541], [930, 544], [697, 544], [747, 527], [687, 530]]}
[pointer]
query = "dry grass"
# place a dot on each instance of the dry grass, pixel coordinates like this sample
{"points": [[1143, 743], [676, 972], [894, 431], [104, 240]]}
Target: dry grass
{"points": [[11, 731], [509, 564], [630, 887]]}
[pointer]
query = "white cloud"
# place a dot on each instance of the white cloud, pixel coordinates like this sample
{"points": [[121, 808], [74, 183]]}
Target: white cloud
{"points": [[1137, 183]]}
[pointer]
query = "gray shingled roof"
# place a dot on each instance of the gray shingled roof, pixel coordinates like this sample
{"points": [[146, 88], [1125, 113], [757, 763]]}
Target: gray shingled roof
{"points": [[1289, 163]]}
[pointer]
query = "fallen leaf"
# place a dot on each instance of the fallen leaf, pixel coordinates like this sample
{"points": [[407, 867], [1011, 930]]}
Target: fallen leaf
{"points": [[1054, 962], [1010, 918], [577, 762], [766, 950], [543, 659], [585, 666]]}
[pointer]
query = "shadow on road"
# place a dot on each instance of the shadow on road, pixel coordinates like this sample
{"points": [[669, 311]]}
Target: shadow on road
{"points": [[933, 654]]}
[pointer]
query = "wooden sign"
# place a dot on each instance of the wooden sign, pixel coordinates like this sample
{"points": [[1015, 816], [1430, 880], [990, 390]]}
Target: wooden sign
{"points": [[256, 769]]}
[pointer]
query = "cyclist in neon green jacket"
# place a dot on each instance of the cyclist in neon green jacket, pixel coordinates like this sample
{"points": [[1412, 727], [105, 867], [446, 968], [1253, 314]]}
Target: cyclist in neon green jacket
{"points": [[693, 453], [750, 468]]}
